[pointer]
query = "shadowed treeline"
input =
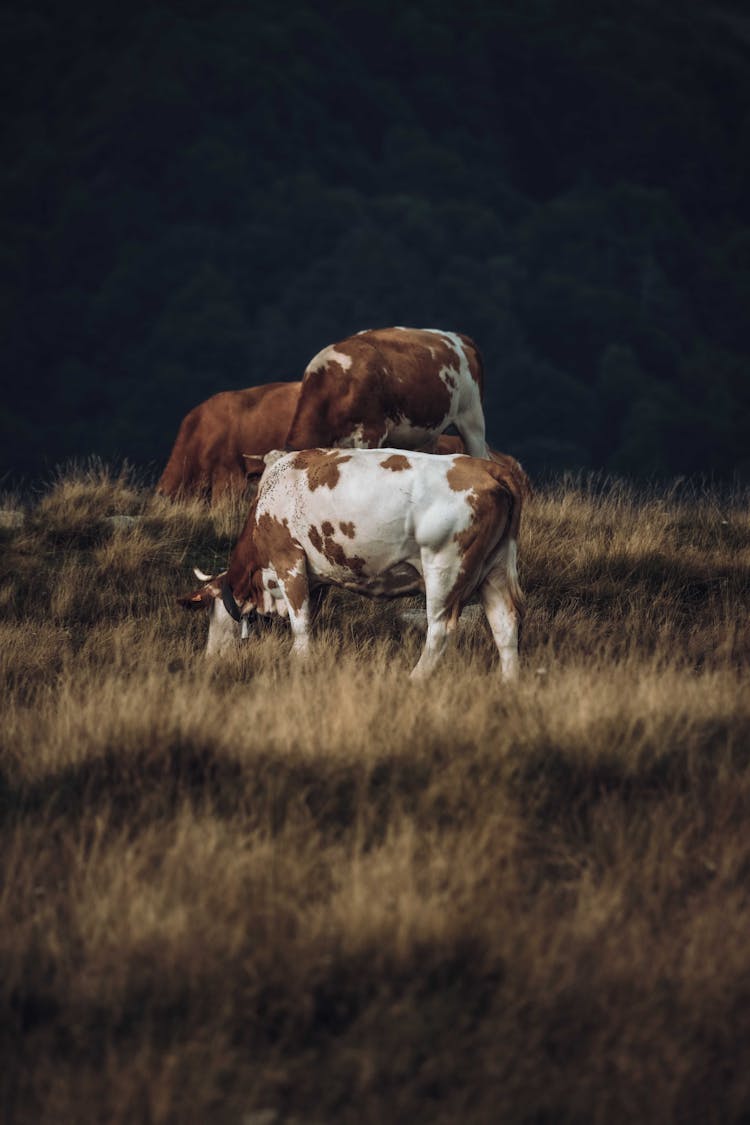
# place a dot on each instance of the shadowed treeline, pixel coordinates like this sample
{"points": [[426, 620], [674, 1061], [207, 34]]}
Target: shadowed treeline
{"points": [[199, 197]]}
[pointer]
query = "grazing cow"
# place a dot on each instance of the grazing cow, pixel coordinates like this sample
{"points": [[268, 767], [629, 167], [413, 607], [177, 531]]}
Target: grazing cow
{"points": [[223, 440], [381, 522], [391, 386]]}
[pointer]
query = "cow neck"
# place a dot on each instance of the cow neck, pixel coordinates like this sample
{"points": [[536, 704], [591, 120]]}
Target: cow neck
{"points": [[244, 561]]}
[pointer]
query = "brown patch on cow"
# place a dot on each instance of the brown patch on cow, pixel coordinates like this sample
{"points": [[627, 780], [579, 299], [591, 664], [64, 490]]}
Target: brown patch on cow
{"points": [[336, 555], [348, 528], [315, 538], [332, 550], [514, 471], [462, 474], [267, 541], [448, 444], [321, 466], [396, 463], [272, 584], [296, 590], [490, 511]]}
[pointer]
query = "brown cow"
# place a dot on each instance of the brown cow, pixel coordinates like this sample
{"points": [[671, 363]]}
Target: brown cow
{"points": [[391, 386], [222, 440]]}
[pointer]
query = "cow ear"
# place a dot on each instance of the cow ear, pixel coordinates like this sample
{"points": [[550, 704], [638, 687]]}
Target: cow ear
{"points": [[254, 464], [197, 600]]}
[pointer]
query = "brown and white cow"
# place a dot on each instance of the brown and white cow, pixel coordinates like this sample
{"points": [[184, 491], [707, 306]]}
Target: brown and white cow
{"points": [[391, 387], [380, 522], [222, 441]]}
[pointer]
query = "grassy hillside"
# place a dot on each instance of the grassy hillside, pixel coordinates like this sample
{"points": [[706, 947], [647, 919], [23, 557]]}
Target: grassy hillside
{"points": [[326, 893]]}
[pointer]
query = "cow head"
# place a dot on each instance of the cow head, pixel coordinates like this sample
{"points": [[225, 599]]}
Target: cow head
{"points": [[228, 622]]}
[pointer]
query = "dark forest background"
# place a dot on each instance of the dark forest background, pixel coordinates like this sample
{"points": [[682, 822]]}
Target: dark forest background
{"points": [[199, 196]]}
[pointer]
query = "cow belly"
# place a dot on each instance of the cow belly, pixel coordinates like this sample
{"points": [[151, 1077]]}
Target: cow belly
{"points": [[403, 434], [397, 580]]}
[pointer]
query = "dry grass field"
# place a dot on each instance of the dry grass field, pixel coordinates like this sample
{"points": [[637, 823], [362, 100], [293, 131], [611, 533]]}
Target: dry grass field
{"points": [[251, 892]]}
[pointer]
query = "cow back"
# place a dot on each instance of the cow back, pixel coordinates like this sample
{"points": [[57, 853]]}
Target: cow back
{"points": [[399, 386]]}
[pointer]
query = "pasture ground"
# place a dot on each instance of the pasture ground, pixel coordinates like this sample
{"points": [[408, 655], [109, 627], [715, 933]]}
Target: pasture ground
{"points": [[257, 892]]}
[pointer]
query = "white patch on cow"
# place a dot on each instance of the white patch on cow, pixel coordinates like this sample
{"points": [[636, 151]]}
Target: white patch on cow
{"points": [[452, 378], [451, 339], [341, 358], [272, 598], [329, 355]]}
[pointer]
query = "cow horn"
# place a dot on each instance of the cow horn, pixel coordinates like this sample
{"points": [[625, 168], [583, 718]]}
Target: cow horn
{"points": [[230, 605], [201, 576]]}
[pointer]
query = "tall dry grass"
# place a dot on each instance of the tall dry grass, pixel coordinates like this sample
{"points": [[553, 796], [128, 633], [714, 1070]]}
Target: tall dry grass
{"points": [[258, 891]]}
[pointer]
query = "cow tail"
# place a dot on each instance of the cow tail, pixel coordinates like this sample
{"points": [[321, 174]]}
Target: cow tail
{"points": [[515, 489], [171, 480], [514, 586], [178, 473], [480, 372], [476, 363]]}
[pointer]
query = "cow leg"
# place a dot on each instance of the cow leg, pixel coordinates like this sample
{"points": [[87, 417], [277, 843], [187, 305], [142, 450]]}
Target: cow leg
{"points": [[470, 425], [437, 585], [502, 614], [296, 593]]}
